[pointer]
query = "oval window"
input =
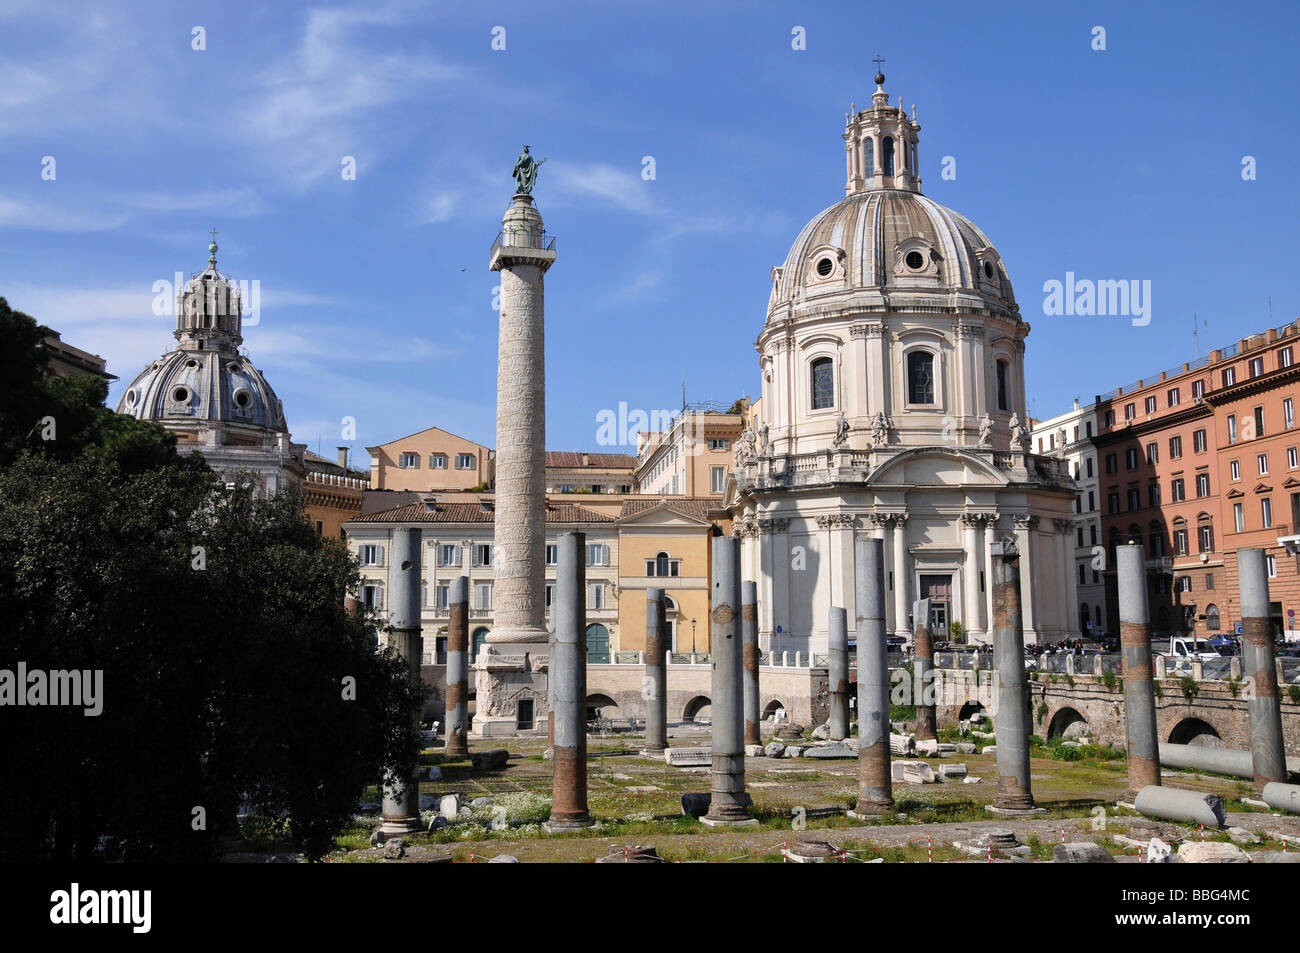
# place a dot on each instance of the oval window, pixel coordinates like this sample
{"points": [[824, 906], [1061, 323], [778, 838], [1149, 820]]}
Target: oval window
{"points": [[242, 398], [915, 260], [988, 270], [181, 395], [130, 398], [824, 267]]}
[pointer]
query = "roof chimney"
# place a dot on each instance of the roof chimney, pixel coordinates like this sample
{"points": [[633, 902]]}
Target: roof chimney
{"points": [[343, 457]]}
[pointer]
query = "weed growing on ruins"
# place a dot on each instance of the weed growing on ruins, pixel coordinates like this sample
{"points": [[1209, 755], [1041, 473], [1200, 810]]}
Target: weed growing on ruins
{"points": [[1234, 686], [1189, 688], [1159, 689], [1043, 709], [1293, 693], [1112, 681], [902, 713]]}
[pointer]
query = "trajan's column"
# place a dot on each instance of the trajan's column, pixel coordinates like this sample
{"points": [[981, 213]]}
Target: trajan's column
{"points": [[510, 690]]}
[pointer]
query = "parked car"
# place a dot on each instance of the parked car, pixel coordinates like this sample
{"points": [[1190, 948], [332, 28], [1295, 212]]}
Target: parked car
{"points": [[1187, 647]]}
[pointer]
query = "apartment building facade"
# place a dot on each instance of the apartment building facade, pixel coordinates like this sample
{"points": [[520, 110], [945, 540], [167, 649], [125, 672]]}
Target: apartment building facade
{"points": [[694, 457], [1070, 437], [1198, 462]]}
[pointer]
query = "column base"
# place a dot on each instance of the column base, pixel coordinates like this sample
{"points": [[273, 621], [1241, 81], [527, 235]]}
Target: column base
{"points": [[403, 825], [870, 810], [563, 825], [728, 821]]}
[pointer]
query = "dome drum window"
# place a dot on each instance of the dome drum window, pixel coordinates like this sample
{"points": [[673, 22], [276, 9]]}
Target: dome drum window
{"points": [[822, 379], [243, 399], [916, 258], [180, 395], [988, 276], [825, 264]]}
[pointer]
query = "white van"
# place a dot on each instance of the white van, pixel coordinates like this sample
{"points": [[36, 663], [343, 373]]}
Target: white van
{"points": [[1191, 649]]}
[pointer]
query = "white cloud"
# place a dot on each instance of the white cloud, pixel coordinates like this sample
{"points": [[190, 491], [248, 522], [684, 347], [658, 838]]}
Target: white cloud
{"points": [[607, 185], [52, 217]]}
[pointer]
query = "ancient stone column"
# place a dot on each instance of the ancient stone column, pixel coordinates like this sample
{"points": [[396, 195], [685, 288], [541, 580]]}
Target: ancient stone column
{"points": [[838, 646], [1260, 669], [519, 533], [457, 744], [656, 675], [1135, 649], [401, 801], [750, 659], [875, 787], [1012, 714], [727, 804], [923, 671], [568, 673]]}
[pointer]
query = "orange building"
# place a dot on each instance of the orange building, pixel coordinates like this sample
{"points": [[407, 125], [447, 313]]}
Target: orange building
{"points": [[1198, 462]]}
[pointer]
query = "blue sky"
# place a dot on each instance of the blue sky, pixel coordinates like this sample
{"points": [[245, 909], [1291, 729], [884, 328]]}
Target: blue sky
{"points": [[376, 298]]}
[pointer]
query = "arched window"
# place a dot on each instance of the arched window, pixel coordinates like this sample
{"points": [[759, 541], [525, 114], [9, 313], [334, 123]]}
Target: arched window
{"points": [[823, 383], [1004, 398], [1212, 617], [869, 158], [661, 564], [920, 377], [887, 158]]}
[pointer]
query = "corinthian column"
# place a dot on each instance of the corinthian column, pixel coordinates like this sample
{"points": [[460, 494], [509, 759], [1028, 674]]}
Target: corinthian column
{"points": [[901, 586]]}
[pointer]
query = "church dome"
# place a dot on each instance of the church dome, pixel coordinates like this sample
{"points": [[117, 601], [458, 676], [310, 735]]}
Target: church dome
{"points": [[892, 241], [203, 386]]}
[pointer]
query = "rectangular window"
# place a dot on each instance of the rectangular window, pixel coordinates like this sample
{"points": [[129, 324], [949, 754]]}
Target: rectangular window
{"points": [[1235, 469], [1087, 465], [1239, 517], [1177, 492], [1111, 463], [1259, 422], [437, 461], [1112, 502], [1130, 411], [1153, 456], [466, 461], [482, 554], [1262, 460], [1153, 494], [1266, 511], [1173, 397], [1206, 539], [1131, 458], [371, 555], [1198, 441], [718, 479], [1110, 418], [1184, 584], [1291, 460], [408, 461], [1232, 428], [1198, 389], [1256, 366], [1092, 501], [1284, 357], [1134, 499], [1288, 413], [1076, 433], [442, 596], [1151, 405], [552, 554], [1180, 542], [1272, 566], [595, 595], [448, 554], [372, 597], [1087, 427], [1202, 484], [1229, 376], [483, 595], [1078, 536], [718, 443], [1209, 580], [597, 554], [1175, 447], [550, 593]]}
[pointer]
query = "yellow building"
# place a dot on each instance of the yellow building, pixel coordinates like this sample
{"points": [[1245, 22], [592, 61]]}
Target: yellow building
{"points": [[332, 493], [668, 544], [430, 460], [694, 456]]}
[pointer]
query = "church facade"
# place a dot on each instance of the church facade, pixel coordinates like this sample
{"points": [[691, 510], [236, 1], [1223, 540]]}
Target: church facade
{"points": [[893, 405], [211, 396]]}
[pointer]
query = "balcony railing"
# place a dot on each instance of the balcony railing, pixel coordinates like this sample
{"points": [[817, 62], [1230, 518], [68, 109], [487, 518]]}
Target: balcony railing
{"points": [[524, 239]]}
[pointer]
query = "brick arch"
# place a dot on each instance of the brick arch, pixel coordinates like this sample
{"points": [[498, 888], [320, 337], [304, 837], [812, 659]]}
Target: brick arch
{"points": [[609, 708], [694, 705], [1185, 729], [1061, 717]]}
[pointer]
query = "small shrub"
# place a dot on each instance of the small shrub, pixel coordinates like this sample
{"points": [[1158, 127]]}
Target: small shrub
{"points": [[1234, 686], [1043, 709], [1159, 688], [1293, 692], [1189, 688], [1069, 680], [1111, 680], [902, 712]]}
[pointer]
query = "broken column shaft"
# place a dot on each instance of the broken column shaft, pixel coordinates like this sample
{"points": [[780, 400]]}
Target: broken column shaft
{"points": [[401, 801], [1135, 649], [568, 674], [727, 803], [656, 675], [923, 672], [1260, 669], [875, 786], [749, 657], [838, 665], [1012, 699], [457, 744]]}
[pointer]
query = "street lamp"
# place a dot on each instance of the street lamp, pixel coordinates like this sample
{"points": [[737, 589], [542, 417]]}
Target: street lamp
{"points": [[692, 636]]}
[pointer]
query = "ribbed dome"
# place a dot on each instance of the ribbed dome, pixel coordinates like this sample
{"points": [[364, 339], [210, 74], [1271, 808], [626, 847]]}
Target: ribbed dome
{"points": [[891, 240], [202, 385]]}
